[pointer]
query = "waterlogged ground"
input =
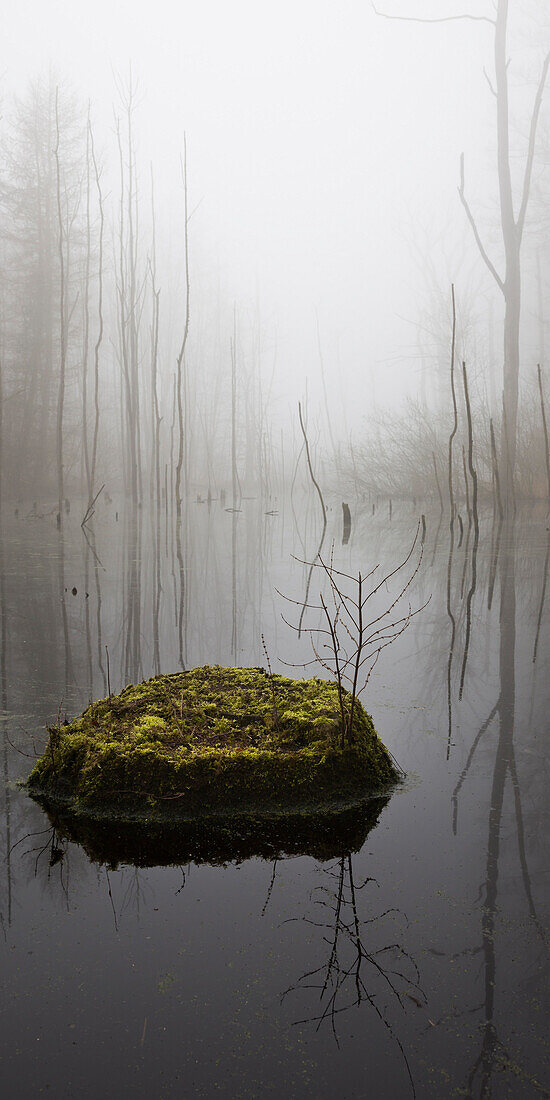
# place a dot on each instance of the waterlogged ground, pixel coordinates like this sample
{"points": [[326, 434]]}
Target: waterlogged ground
{"points": [[417, 965]]}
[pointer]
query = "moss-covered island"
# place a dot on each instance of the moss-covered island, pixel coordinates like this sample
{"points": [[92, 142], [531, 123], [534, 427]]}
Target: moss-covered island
{"points": [[208, 742]]}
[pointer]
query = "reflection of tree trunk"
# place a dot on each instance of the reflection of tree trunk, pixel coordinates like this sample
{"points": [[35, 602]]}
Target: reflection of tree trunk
{"points": [[436, 539], [452, 641], [504, 765], [503, 758], [542, 598], [471, 590], [4, 679], [504, 761]]}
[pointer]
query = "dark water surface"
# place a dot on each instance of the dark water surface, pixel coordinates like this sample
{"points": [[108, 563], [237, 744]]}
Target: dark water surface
{"points": [[417, 965]]}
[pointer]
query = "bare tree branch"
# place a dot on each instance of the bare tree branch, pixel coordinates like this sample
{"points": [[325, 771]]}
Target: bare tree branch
{"points": [[442, 19], [492, 88], [531, 148], [475, 230], [368, 639]]}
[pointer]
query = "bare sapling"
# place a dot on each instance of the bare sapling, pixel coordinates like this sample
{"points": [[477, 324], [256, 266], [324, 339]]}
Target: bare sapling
{"points": [[272, 686], [349, 642]]}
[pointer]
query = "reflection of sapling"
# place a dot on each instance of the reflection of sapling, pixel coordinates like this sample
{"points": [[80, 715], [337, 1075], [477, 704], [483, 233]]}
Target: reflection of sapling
{"points": [[352, 974]]}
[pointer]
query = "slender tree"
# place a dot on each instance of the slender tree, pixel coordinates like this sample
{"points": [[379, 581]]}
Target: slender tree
{"points": [[130, 289], [38, 232], [99, 337], [62, 320], [86, 315], [234, 473], [180, 362], [512, 223]]}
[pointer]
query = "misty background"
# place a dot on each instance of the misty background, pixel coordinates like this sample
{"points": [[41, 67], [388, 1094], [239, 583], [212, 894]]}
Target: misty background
{"points": [[325, 228]]}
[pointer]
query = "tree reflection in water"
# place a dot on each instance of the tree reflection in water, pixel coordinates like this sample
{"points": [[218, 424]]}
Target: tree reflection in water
{"points": [[354, 975], [494, 1053]]}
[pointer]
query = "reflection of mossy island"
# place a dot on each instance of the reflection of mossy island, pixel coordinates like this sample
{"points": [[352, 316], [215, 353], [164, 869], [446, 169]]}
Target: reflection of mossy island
{"points": [[210, 741], [151, 842]]}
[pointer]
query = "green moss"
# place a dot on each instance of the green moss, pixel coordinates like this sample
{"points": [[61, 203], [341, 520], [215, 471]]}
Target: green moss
{"points": [[209, 741]]}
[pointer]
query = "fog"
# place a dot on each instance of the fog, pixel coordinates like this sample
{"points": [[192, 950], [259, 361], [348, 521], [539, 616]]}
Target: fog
{"points": [[323, 156]]}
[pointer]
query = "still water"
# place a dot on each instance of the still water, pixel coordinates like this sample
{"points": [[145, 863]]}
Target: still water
{"points": [[414, 960]]}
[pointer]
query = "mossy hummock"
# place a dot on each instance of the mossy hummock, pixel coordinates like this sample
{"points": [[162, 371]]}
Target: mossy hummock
{"points": [[211, 741]]}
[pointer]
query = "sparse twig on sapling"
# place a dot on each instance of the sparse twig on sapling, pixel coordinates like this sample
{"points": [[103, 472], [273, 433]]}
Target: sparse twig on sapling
{"points": [[352, 663]]}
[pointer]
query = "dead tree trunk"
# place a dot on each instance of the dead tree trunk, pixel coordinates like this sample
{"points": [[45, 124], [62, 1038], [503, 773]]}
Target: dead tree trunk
{"points": [[62, 322], [86, 311], [512, 225], [155, 414], [234, 474], [181, 355], [130, 293], [99, 338]]}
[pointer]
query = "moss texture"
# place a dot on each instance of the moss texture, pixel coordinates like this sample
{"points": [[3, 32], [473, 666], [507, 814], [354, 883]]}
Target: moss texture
{"points": [[210, 741]]}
